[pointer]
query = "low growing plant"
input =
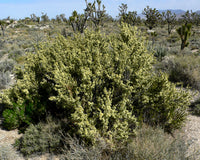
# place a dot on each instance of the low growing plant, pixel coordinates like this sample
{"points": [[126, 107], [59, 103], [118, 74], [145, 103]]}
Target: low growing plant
{"points": [[41, 138]]}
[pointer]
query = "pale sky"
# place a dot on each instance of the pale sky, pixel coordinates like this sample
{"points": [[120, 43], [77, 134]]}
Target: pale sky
{"points": [[24, 8]]}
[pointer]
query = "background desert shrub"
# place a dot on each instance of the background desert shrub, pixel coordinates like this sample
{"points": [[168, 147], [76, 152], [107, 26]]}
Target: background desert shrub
{"points": [[194, 43], [160, 51], [2, 52], [174, 50], [14, 54], [85, 80], [186, 51], [195, 107], [2, 42], [7, 65], [36, 37], [45, 137], [6, 68], [173, 38], [184, 69], [20, 25], [5, 79]]}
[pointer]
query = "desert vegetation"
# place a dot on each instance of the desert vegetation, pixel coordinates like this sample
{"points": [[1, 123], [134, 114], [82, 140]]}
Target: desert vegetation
{"points": [[91, 86]]}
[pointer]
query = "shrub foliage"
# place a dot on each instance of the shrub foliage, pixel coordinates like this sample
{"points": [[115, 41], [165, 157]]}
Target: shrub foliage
{"points": [[101, 84]]}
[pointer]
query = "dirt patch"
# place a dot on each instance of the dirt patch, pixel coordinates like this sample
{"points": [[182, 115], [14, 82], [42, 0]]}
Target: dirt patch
{"points": [[195, 50], [8, 137], [192, 133]]}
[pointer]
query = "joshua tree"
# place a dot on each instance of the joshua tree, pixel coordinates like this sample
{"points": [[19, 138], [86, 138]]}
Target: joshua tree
{"points": [[44, 17], [61, 18], [130, 17], [26, 20], [4, 24], [78, 21], [122, 11], [184, 32], [195, 18], [170, 19], [34, 18], [187, 17], [152, 17], [92, 12], [96, 14], [38, 20], [58, 19]]}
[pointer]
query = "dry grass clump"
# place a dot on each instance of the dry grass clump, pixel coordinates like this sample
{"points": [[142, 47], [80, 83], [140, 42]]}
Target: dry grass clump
{"points": [[150, 143]]}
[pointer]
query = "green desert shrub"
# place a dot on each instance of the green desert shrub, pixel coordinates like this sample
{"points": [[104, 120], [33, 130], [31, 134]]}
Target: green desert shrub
{"points": [[19, 115], [101, 84]]}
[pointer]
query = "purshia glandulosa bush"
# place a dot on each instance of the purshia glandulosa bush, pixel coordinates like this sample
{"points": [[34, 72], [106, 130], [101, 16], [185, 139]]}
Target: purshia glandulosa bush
{"points": [[102, 85]]}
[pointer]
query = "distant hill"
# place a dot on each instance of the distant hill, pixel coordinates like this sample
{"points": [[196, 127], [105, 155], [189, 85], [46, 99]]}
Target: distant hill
{"points": [[198, 12], [178, 12]]}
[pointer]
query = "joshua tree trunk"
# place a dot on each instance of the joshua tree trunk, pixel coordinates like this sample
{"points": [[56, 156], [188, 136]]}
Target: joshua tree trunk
{"points": [[184, 32], [3, 30]]}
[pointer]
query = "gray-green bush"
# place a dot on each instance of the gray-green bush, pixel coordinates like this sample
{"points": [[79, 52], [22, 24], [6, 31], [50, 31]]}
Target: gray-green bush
{"points": [[41, 138], [184, 69]]}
